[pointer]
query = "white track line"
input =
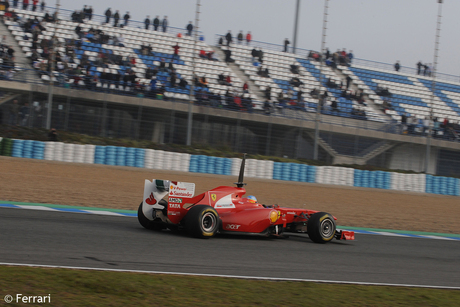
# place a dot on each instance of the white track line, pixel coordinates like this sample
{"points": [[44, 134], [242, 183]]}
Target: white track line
{"points": [[233, 276]]}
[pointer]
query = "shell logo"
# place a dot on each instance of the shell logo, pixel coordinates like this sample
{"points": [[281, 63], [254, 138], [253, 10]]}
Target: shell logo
{"points": [[274, 216]]}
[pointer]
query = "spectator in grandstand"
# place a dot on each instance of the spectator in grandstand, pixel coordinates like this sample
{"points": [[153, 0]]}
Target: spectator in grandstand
{"points": [[248, 38], [172, 79], [34, 5], [245, 87], [267, 107], [295, 81], [397, 66], [350, 57], [89, 13], [419, 67], [108, 15], [42, 6], [15, 3], [268, 93], [221, 79], [156, 23], [126, 18], [25, 4], [202, 54], [116, 18], [228, 80], [210, 56], [294, 68], [162, 65], [228, 56], [334, 105], [183, 83], [176, 51], [164, 23], [189, 28], [254, 54], [286, 43], [228, 37], [260, 55], [240, 37], [348, 81]]}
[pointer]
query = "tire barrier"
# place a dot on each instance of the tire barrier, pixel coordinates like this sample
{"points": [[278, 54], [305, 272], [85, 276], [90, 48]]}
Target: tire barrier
{"points": [[372, 179], [6, 147], [210, 165], [408, 182], [442, 185], [266, 169]]}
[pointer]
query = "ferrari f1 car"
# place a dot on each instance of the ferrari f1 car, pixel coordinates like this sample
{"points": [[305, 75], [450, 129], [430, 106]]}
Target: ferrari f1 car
{"points": [[225, 210]]}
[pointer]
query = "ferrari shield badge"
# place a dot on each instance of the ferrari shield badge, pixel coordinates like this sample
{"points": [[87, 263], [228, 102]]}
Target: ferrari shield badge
{"points": [[213, 197]]}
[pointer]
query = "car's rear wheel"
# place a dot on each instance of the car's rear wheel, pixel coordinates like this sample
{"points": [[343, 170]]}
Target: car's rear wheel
{"points": [[202, 221], [146, 223], [321, 227]]}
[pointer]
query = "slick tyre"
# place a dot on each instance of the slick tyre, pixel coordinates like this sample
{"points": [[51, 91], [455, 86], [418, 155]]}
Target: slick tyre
{"points": [[146, 223], [321, 227], [202, 221]]}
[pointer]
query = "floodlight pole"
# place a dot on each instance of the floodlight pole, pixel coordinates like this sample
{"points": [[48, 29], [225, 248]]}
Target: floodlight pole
{"points": [[53, 59], [296, 24], [433, 87], [192, 86], [318, 106]]}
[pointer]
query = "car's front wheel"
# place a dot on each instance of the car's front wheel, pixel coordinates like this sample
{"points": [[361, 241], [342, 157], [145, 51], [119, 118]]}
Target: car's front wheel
{"points": [[202, 221], [321, 227]]}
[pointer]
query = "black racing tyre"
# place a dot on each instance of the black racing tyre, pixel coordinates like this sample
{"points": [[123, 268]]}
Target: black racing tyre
{"points": [[321, 227], [146, 223], [202, 221]]}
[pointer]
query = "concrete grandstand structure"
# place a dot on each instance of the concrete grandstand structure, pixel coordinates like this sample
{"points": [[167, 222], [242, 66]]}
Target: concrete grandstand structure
{"points": [[374, 136]]}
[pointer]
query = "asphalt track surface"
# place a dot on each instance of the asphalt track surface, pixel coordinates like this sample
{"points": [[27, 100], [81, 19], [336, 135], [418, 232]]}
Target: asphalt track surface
{"points": [[113, 242]]}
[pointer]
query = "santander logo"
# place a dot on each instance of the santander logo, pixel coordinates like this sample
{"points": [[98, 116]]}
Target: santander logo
{"points": [[151, 200]]}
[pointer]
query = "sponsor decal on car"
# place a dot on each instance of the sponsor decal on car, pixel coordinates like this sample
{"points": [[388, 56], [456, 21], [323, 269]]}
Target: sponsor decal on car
{"points": [[225, 202], [151, 200], [232, 226], [213, 197], [175, 200], [181, 189], [174, 206], [173, 213]]}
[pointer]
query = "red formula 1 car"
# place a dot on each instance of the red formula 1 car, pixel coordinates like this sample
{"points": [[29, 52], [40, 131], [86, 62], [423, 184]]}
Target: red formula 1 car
{"points": [[225, 210]]}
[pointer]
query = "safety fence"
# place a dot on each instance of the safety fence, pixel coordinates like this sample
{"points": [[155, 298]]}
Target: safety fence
{"points": [[266, 169]]}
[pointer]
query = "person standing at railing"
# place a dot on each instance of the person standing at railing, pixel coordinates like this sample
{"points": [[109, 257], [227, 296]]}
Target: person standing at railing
{"points": [[34, 5], [15, 3], [240, 38], [126, 18], [116, 18], [156, 23], [108, 15], [286, 43], [397, 66], [189, 28], [248, 38], [25, 4], [147, 22], [42, 6], [419, 67], [164, 23], [228, 37]]}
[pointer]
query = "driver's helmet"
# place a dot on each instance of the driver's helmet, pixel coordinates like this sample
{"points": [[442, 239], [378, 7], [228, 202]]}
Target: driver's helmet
{"points": [[252, 199]]}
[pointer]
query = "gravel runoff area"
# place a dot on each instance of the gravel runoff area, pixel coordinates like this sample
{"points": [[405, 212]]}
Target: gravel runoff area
{"points": [[39, 181]]}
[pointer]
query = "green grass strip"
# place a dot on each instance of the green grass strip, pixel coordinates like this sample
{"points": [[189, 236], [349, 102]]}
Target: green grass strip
{"points": [[69, 287], [418, 233]]}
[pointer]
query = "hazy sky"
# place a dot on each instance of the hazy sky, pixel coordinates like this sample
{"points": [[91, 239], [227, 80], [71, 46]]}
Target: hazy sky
{"points": [[378, 30]]}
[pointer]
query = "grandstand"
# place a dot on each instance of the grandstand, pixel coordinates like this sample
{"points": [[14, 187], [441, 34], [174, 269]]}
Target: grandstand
{"points": [[411, 95]]}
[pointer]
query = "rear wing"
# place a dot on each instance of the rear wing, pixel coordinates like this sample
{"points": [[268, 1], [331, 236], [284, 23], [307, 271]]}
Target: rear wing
{"points": [[155, 190]]}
